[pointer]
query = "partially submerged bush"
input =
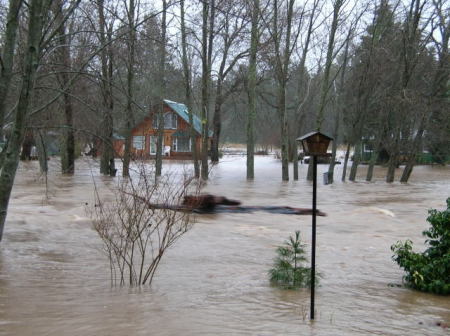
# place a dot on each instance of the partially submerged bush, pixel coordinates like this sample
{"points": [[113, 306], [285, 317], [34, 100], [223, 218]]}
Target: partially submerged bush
{"points": [[428, 271], [141, 223], [288, 271]]}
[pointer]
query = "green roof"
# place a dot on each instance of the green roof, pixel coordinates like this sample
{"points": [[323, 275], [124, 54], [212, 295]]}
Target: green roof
{"points": [[183, 112], [181, 134], [118, 137]]}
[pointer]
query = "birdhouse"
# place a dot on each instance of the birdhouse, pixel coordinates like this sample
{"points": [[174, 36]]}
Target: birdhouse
{"points": [[315, 143]]}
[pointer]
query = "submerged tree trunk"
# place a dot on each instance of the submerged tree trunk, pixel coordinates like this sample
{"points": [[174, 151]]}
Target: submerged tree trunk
{"points": [[344, 168], [309, 174], [130, 83], [373, 161], [295, 160], [207, 42], [162, 91], [30, 64], [27, 144], [339, 108], [188, 91], [251, 78], [217, 123], [355, 163], [204, 104], [63, 59], [392, 164], [7, 56], [301, 84], [284, 133], [107, 165], [42, 151], [283, 55], [439, 89], [333, 151]]}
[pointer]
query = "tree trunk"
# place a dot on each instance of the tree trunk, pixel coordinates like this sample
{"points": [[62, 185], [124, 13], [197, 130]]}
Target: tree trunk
{"points": [[338, 111], [7, 56], [160, 139], [284, 134], [301, 84], [334, 148], [130, 81], [251, 78], [205, 100], [295, 160], [188, 90], [42, 151], [416, 148], [439, 88], [30, 63], [63, 60], [27, 143], [217, 124], [206, 69], [282, 68], [344, 168], [392, 164], [356, 160], [162, 92], [372, 162], [309, 174], [107, 165]]}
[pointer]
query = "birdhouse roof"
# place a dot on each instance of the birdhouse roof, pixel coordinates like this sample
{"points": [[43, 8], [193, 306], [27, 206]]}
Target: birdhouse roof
{"points": [[310, 134]]}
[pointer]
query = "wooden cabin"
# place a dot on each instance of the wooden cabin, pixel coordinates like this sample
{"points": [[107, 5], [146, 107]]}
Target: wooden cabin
{"points": [[177, 142]]}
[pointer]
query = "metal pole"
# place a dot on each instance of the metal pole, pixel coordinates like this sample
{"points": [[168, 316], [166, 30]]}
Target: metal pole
{"points": [[313, 247]]}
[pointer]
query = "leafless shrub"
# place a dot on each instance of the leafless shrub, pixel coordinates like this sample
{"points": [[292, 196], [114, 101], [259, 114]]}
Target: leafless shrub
{"points": [[142, 222]]}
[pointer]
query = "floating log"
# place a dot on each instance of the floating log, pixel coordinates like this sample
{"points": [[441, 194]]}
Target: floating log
{"points": [[210, 204]]}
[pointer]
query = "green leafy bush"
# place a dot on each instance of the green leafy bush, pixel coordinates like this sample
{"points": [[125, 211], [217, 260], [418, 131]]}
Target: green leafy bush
{"points": [[288, 271], [428, 271]]}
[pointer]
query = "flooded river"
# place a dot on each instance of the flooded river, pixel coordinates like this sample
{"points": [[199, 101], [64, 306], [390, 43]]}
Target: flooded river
{"points": [[54, 279]]}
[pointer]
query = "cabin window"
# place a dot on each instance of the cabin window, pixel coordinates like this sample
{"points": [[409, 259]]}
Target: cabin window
{"points": [[181, 144], [138, 142], [153, 140], [170, 120]]}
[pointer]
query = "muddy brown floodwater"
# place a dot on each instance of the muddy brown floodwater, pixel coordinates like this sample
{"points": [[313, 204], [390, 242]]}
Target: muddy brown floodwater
{"points": [[54, 279]]}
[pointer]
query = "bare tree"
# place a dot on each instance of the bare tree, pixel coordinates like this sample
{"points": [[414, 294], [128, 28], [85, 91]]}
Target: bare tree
{"points": [[30, 61], [438, 88], [107, 165], [326, 82], [283, 45], [131, 14], [162, 89], [188, 89], [63, 60], [7, 56], [338, 109], [231, 25], [302, 89], [208, 21], [251, 78], [409, 58]]}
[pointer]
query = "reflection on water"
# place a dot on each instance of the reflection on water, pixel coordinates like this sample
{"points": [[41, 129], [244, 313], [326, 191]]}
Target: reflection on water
{"points": [[54, 279]]}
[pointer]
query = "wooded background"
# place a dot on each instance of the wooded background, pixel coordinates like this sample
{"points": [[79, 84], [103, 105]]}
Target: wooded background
{"points": [[257, 72]]}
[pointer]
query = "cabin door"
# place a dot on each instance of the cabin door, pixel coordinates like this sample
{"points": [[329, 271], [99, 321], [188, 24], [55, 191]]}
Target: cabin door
{"points": [[153, 144]]}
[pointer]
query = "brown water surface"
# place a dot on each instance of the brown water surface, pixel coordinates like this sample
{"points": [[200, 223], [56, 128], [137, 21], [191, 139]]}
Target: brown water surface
{"points": [[54, 279]]}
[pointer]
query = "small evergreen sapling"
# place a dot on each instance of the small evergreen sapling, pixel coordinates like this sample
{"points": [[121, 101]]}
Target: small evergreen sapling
{"points": [[428, 271], [288, 271]]}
